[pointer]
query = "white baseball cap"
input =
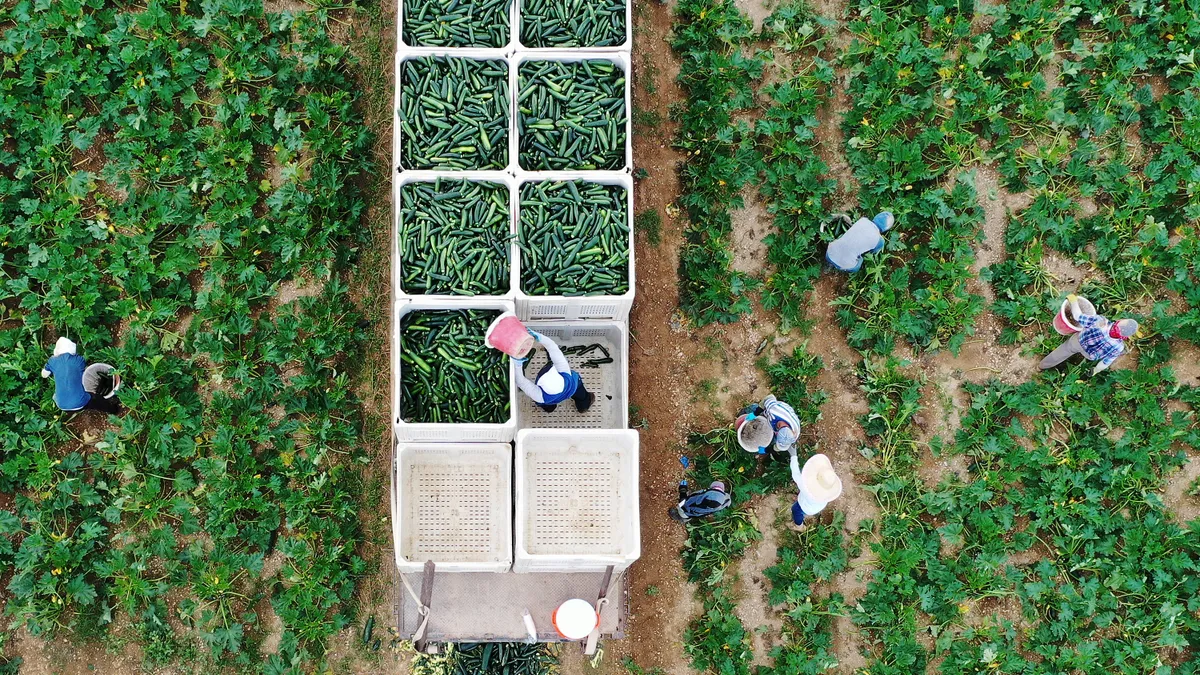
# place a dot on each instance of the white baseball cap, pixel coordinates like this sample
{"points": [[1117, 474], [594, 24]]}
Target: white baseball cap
{"points": [[785, 437], [64, 346]]}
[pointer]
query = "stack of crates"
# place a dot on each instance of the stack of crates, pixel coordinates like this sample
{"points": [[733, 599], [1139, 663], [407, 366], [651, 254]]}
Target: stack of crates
{"points": [[539, 492]]}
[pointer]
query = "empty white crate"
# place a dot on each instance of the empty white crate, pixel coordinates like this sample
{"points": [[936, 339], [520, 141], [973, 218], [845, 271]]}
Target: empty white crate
{"points": [[612, 307], [452, 504], [624, 47], [496, 177], [446, 432], [609, 382], [621, 60], [576, 500]]}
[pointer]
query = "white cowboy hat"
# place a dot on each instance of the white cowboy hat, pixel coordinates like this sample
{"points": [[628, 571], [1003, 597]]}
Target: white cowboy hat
{"points": [[552, 382], [819, 479], [64, 346]]}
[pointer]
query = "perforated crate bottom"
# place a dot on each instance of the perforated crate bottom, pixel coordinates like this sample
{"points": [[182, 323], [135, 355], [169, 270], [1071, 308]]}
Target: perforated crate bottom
{"points": [[453, 514], [604, 382], [575, 499], [482, 607], [454, 504]]}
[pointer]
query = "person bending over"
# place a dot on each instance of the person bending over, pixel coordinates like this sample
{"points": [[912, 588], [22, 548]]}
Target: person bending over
{"points": [[1098, 340], [70, 391], [556, 381]]}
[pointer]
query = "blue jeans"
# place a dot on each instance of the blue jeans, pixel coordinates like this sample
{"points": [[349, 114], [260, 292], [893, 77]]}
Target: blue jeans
{"points": [[797, 513]]}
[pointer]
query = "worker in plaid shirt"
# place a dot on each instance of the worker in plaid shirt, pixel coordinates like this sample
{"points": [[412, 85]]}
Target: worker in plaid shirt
{"points": [[1099, 340]]}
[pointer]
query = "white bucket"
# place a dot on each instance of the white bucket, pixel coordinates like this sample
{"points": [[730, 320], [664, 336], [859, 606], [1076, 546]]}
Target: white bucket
{"points": [[575, 619]]}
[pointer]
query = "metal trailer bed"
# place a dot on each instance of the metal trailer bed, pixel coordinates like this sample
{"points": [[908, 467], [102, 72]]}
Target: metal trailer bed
{"points": [[487, 607]]}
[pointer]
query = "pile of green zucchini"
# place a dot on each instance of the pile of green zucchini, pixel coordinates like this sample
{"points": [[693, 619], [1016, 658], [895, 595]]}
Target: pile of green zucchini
{"points": [[574, 238], [571, 115], [448, 375], [456, 23], [454, 238], [453, 113], [572, 23]]}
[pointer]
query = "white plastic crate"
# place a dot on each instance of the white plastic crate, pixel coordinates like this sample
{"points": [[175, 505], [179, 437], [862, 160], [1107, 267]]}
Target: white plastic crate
{"points": [[452, 504], [548, 307], [576, 500], [447, 432], [476, 176], [407, 54], [609, 382], [503, 50], [624, 47], [569, 56]]}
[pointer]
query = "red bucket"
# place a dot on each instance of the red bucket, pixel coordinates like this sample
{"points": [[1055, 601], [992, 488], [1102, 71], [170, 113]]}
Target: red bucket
{"points": [[509, 335], [1062, 320]]}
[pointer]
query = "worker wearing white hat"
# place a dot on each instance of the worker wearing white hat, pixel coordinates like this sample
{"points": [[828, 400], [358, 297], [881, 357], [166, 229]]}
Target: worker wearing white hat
{"points": [[556, 381], [74, 387], [817, 483]]}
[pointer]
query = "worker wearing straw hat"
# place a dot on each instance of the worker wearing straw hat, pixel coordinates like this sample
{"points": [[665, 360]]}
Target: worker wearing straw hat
{"points": [[1098, 340], [817, 484]]}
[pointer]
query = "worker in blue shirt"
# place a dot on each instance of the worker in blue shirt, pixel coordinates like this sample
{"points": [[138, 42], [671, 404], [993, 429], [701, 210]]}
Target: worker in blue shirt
{"points": [[68, 368], [556, 381]]}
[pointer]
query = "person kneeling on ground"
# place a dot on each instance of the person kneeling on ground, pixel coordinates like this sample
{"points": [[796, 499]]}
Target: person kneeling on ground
{"points": [[1098, 340], [70, 390], [817, 485], [701, 503], [555, 382]]}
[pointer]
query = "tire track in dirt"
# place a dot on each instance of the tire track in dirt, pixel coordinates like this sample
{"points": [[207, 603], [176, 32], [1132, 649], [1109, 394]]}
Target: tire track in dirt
{"points": [[763, 623], [662, 603]]}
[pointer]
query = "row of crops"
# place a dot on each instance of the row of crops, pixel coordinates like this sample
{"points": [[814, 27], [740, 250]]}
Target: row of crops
{"points": [[1063, 544], [168, 170], [513, 189]]}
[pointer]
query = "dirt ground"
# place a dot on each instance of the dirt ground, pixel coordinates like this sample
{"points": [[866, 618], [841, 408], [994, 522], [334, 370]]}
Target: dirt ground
{"points": [[685, 379]]}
